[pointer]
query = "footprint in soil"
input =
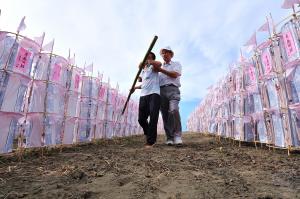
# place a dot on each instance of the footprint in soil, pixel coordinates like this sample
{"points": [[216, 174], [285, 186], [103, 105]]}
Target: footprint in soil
{"points": [[79, 175], [87, 194], [121, 181]]}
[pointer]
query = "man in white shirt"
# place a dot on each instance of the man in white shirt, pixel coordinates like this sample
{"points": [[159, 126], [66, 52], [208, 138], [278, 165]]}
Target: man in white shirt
{"points": [[149, 104], [169, 77]]}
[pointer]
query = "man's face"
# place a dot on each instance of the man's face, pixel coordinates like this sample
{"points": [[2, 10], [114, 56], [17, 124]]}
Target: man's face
{"points": [[150, 57], [166, 55]]}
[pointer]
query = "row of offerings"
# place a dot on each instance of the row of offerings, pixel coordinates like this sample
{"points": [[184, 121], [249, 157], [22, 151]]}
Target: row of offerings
{"points": [[258, 100], [45, 100]]}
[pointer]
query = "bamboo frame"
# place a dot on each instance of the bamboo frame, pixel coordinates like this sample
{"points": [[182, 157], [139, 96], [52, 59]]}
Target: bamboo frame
{"points": [[66, 101], [28, 100], [24, 112], [45, 103], [22, 130], [97, 107]]}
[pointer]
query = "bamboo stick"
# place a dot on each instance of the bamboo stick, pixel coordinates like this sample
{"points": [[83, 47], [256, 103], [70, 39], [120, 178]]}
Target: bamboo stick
{"points": [[139, 71]]}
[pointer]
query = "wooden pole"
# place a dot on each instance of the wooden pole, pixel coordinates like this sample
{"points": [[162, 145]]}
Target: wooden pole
{"points": [[269, 30], [106, 108], [80, 100], [45, 101], [26, 105], [67, 97], [97, 106], [89, 120], [139, 71], [294, 11], [273, 24]]}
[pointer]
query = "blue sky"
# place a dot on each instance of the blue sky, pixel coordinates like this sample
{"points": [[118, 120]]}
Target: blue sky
{"points": [[114, 34]]}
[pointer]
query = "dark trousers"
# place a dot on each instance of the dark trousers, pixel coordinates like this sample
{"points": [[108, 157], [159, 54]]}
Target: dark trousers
{"points": [[149, 106]]}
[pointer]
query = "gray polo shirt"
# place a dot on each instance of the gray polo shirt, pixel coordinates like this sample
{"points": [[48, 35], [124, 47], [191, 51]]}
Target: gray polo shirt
{"points": [[165, 80], [150, 81]]}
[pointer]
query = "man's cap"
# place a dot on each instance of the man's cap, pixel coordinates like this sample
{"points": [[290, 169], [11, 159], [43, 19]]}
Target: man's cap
{"points": [[167, 48]]}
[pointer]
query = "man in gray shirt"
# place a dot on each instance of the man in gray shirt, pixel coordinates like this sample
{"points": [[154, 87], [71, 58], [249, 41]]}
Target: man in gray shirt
{"points": [[169, 77]]}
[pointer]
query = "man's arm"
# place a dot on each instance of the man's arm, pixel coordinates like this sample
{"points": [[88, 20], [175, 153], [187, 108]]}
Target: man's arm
{"points": [[155, 64], [136, 87], [171, 74]]}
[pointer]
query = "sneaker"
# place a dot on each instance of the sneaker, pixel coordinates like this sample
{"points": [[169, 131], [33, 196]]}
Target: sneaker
{"points": [[178, 141], [169, 142]]}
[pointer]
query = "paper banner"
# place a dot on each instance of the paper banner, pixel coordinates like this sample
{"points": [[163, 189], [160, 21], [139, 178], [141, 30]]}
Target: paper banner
{"points": [[252, 74], [21, 63], [289, 44], [56, 72], [267, 61], [102, 92], [77, 81]]}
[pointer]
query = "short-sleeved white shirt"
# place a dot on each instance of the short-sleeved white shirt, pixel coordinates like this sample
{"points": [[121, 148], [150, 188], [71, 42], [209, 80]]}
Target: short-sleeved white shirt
{"points": [[150, 81], [166, 80]]}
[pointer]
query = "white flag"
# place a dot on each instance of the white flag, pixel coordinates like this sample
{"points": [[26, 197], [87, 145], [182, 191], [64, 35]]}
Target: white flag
{"points": [[49, 46], [2, 35], [252, 40], [40, 39], [89, 68], [265, 27], [210, 87], [100, 75], [22, 25], [72, 60], [289, 3]]}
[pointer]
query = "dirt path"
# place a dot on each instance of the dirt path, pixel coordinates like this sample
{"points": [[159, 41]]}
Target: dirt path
{"points": [[121, 168]]}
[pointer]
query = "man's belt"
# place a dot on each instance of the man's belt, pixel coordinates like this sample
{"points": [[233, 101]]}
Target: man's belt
{"points": [[166, 85]]}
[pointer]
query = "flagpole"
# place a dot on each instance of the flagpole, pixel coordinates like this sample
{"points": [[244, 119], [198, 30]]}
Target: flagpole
{"points": [[116, 113], [89, 120], [26, 105], [241, 54], [106, 107], [69, 56], [84, 67], [294, 11], [90, 107], [80, 101], [269, 31], [273, 24], [97, 107], [258, 82], [10, 53], [67, 97], [45, 100]]}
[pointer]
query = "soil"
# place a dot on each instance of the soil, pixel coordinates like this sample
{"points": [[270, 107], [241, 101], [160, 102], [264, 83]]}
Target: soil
{"points": [[121, 168]]}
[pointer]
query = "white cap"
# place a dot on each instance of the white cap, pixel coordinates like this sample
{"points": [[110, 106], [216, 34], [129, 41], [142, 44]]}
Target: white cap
{"points": [[168, 48]]}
